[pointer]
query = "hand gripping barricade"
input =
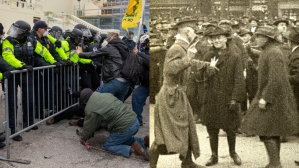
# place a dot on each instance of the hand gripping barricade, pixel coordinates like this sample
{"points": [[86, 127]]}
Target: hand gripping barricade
{"points": [[68, 77]]}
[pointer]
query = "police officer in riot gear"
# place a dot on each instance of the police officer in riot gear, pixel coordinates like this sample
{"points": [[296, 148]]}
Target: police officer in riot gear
{"points": [[18, 51], [40, 34]]}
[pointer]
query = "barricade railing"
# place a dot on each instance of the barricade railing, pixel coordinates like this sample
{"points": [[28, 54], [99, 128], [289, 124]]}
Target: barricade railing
{"points": [[44, 88]]}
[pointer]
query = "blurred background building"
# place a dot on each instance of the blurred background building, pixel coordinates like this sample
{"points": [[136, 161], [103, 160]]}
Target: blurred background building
{"points": [[102, 15]]}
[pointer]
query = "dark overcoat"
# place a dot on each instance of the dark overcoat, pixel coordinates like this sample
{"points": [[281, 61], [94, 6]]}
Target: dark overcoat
{"points": [[280, 117], [223, 86], [252, 73], [294, 73], [174, 125]]}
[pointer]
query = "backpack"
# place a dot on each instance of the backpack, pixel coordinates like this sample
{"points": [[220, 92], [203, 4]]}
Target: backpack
{"points": [[132, 68]]}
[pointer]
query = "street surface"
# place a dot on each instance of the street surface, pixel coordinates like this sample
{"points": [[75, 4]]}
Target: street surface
{"points": [[251, 150]]}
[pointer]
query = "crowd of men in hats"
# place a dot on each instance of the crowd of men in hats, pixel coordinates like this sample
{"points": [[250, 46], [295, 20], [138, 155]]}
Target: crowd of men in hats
{"points": [[102, 105], [208, 71]]}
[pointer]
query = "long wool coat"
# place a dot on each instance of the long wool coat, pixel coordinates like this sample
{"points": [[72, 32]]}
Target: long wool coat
{"points": [[294, 73], [280, 117], [223, 86], [174, 125]]}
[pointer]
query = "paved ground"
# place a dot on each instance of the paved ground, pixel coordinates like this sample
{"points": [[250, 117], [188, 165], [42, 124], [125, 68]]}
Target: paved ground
{"points": [[250, 149], [62, 143]]}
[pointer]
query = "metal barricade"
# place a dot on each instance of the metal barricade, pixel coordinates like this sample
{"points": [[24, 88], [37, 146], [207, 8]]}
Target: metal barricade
{"points": [[52, 91]]}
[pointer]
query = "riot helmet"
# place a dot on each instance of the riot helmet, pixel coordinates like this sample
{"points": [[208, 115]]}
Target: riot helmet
{"points": [[76, 36], [86, 32], [56, 32], [95, 35], [130, 36], [19, 29], [66, 33]]}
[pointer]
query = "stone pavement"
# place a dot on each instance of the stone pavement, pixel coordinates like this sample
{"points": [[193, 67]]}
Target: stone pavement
{"points": [[62, 143], [250, 149]]}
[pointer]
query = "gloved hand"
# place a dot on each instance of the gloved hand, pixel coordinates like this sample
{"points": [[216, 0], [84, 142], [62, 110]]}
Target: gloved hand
{"points": [[56, 69], [233, 106], [93, 64], [28, 67], [57, 64], [63, 63], [70, 63], [58, 43], [6, 74]]}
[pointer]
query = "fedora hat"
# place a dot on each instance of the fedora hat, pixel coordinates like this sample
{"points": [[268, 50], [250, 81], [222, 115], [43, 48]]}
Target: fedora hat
{"points": [[267, 31]]}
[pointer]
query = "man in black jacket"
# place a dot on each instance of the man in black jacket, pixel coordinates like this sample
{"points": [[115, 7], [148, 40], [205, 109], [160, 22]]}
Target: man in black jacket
{"points": [[113, 55], [142, 91]]}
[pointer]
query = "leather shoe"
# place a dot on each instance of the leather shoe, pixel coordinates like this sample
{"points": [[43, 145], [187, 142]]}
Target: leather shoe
{"points": [[212, 161], [2, 145], [236, 158]]}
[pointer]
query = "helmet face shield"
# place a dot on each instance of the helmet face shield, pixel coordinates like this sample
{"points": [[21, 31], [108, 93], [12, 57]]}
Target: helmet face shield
{"points": [[57, 35], [130, 36], [16, 32], [86, 33], [97, 38]]}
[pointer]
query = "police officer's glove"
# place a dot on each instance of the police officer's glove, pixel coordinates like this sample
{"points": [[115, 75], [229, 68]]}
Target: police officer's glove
{"points": [[233, 106], [63, 63], [28, 67], [58, 43], [70, 63], [93, 64], [6, 74], [56, 69]]}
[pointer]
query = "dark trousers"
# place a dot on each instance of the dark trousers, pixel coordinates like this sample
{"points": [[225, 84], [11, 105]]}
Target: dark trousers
{"points": [[213, 135], [12, 101], [45, 84], [90, 79], [69, 113]]}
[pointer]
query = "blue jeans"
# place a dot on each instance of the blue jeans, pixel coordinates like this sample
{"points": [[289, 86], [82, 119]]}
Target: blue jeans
{"points": [[138, 98], [121, 142], [117, 88]]}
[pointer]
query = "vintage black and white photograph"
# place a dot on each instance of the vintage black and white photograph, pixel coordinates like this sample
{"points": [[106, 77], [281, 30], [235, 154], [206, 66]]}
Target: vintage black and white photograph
{"points": [[224, 83]]}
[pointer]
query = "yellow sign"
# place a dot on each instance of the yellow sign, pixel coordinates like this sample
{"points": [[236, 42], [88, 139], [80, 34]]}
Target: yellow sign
{"points": [[133, 14]]}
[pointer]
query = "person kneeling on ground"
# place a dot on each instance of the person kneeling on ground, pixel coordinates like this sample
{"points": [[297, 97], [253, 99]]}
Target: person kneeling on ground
{"points": [[106, 111]]}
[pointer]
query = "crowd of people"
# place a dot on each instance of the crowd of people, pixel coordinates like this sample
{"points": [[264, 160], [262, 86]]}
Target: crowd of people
{"points": [[240, 76], [103, 57]]}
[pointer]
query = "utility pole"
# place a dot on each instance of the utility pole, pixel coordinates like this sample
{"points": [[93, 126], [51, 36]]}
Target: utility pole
{"points": [[250, 7]]}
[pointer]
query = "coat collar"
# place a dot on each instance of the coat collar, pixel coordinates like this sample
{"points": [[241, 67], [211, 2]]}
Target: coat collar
{"points": [[224, 54], [182, 43]]}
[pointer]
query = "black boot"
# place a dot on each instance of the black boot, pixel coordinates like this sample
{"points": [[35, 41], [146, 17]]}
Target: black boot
{"points": [[2, 145], [231, 139], [154, 155], [214, 147], [273, 153], [16, 138], [2, 138], [187, 162]]}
